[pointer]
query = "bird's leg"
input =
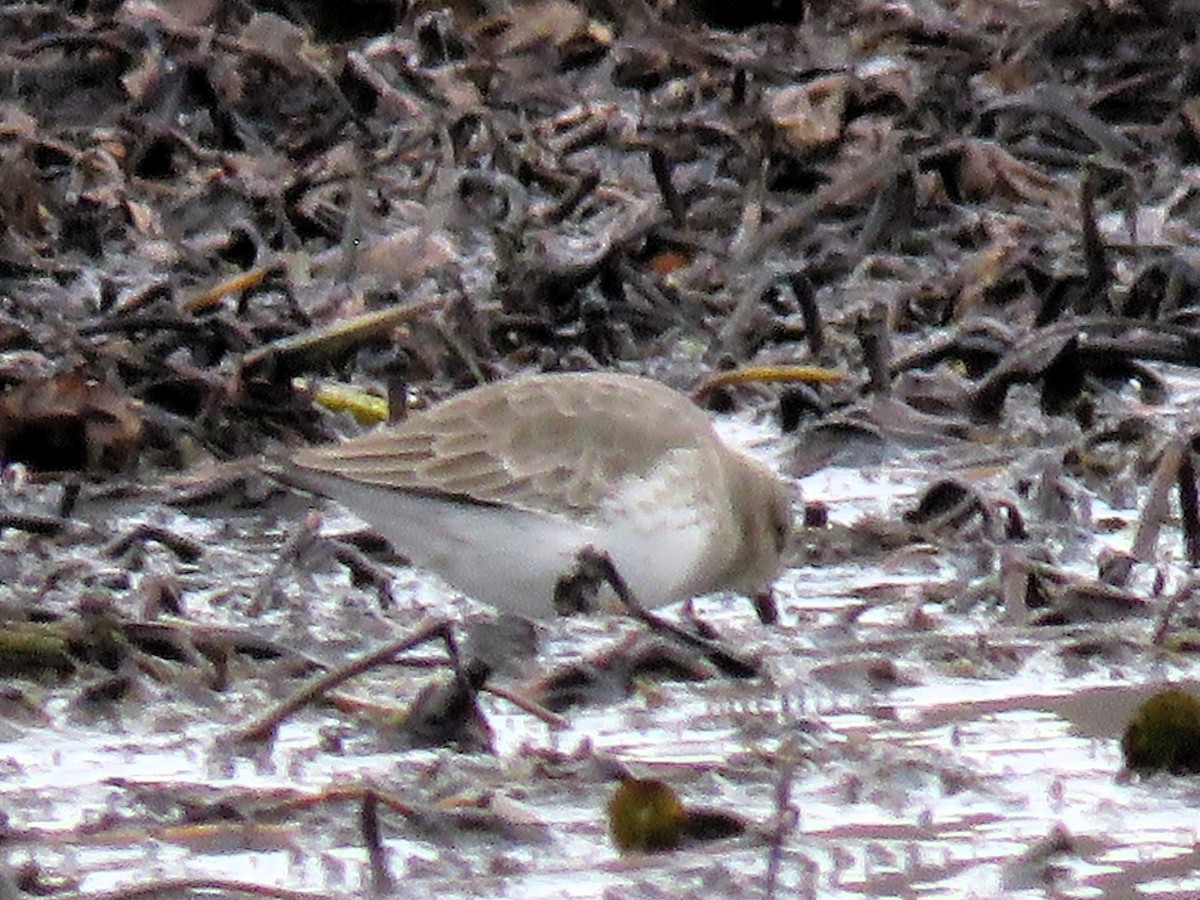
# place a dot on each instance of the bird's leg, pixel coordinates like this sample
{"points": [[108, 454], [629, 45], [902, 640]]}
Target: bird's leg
{"points": [[596, 568]]}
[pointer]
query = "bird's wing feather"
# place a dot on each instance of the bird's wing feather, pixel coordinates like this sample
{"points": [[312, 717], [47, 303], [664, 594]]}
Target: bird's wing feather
{"points": [[542, 443]]}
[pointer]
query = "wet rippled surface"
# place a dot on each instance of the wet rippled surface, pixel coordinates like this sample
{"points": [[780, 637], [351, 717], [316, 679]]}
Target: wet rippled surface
{"points": [[927, 743]]}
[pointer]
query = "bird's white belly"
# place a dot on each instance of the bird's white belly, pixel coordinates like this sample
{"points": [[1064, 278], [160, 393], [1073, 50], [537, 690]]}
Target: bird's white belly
{"points": [[513, 558]]}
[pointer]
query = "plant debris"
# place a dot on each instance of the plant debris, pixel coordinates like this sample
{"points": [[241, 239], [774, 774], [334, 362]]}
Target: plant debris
{"points": [[938, 258]]}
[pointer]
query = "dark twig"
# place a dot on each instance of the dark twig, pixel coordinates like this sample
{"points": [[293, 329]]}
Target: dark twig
{"points": [[585, 185], [224, 886], [1095, 254], [266, 725], [547, 717], [1156, 506], [184, 548], [381, 878], [666, 187], [1178, 599], [364, 572], [806, 298], [1188, 507], [296, 547], [786, 818], [871, 328], [34, 524]]}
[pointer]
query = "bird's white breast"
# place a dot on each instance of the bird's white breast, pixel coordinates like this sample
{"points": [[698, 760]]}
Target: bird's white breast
{"points": [[513, 558]]}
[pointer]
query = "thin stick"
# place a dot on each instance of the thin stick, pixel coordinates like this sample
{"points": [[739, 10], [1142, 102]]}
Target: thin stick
{"points": [[265, 725]]}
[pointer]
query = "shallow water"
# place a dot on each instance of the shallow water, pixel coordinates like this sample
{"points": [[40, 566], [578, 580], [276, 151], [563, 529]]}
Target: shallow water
{"points": [[935, 748]]}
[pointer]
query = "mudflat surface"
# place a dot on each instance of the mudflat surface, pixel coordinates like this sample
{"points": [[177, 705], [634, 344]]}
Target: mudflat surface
{"points": [[982, 215]]}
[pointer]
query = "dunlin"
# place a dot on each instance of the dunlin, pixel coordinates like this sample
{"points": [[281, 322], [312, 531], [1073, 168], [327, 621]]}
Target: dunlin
{"points": [[499, 488]]}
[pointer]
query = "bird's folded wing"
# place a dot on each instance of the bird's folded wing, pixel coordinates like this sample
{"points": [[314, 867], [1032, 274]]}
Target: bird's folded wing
{"points": [[552, 446]]}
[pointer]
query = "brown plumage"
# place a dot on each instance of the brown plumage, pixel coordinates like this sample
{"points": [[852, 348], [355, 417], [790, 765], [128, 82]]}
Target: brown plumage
{"points": [[499, 487]]}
